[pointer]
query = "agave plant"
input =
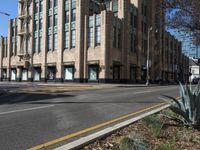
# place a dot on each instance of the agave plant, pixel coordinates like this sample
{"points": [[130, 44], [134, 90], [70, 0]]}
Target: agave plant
{"points": [[188, 107]]}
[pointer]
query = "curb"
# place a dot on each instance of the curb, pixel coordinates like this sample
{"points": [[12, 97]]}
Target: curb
{"points": [[90, 138]]}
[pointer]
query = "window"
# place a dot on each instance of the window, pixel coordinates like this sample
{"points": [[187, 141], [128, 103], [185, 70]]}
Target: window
{"points": [[13, 31], [36, 25], [132, 42], [66, 39], [13, 47], [40, 46], [41, 5], [131, 19], [50, 4], [73, 39], [55, 3], [49, 42], [114, 40], [55, 20], [73, 15], [36, 44], [40, 24], [73, 4], [98, 35], [36, 7], [90, 37], [55, 40], [28, 24], [98, 30], [50, 21], [135, 21], [66, 5], [119, 38], [115, 7], [66, 16]]}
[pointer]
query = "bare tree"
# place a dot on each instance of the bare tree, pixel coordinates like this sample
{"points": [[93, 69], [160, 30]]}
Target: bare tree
{"points": [[184, 15]]}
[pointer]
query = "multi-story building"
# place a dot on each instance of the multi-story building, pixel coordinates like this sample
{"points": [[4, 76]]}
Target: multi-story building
{"points": [[176, 64], [85, 41]]}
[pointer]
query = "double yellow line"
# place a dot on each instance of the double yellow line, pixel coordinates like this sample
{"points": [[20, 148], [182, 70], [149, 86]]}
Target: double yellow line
{"points": [[67, 137]]}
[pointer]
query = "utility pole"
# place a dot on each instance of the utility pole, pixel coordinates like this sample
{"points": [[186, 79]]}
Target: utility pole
{"points": [[148, 47]]}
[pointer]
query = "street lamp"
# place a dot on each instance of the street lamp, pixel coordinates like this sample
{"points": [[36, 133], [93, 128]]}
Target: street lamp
{"points": [[148, 47]]}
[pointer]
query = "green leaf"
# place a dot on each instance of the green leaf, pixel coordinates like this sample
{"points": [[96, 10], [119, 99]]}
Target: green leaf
{"points": [[175, 100], [181, 113]]}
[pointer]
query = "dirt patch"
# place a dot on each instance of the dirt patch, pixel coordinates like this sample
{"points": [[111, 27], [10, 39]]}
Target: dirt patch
{"points": [[168, 137]]}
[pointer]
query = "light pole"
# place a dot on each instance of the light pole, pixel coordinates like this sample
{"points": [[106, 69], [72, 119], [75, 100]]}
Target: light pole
{"points": [[148, 47]]}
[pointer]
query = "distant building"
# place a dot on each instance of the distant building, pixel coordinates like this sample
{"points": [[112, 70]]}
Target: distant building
{"points": [[90, 41], [194, 69]]}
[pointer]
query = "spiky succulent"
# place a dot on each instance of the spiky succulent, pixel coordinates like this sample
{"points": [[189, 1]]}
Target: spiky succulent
{"points": [[188, 107]]}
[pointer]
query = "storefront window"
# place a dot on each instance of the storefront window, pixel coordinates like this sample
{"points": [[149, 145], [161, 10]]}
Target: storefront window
{"points": [[116, 72], [51, 73], [69, 73], [24, 74], [36, 74], [13, 74], [4, 73], [93, 72]]}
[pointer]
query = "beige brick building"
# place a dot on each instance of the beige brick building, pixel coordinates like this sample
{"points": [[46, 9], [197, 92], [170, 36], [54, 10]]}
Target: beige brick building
{"points": [[88, 41]]}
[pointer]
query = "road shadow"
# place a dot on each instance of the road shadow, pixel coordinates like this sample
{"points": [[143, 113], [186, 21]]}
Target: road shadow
{"points": [[22, 97]]}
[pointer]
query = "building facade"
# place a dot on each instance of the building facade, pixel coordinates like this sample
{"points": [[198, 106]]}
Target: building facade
{"points": [[88, 41]]}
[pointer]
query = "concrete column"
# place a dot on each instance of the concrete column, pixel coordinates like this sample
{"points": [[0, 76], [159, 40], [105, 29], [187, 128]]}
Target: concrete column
{"points": [[104, 63], [106, 42], [79, 50], [86, 49], [59, 63], [9, 49], [44, 40], [31, 44]]}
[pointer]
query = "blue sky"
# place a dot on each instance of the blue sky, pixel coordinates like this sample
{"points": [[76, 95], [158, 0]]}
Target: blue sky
{"points": [[8, 6]]}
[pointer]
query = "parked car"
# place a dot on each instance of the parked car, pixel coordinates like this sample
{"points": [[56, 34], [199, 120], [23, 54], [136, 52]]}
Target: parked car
{"points": [[195, 80]]}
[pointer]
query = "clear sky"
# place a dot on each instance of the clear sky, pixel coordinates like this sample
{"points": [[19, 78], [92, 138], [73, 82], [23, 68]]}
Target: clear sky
{"points": [[11, 7]]}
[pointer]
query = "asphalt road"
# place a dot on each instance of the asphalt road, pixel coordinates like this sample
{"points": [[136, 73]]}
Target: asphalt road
{"points": [[30, 119]]}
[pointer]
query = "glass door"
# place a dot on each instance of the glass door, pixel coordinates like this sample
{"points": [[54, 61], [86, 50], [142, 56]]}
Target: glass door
{"points": [[24, 74], [13, 74], [69, 73]]}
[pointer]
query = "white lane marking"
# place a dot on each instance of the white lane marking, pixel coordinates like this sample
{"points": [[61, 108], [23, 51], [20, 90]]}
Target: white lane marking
{"points": [[142, 92], [28, 109]]}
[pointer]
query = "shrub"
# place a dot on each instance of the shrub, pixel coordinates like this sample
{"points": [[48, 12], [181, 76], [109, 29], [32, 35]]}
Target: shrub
{"points": [[134, 141], [154, 124], [166, 146]]}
